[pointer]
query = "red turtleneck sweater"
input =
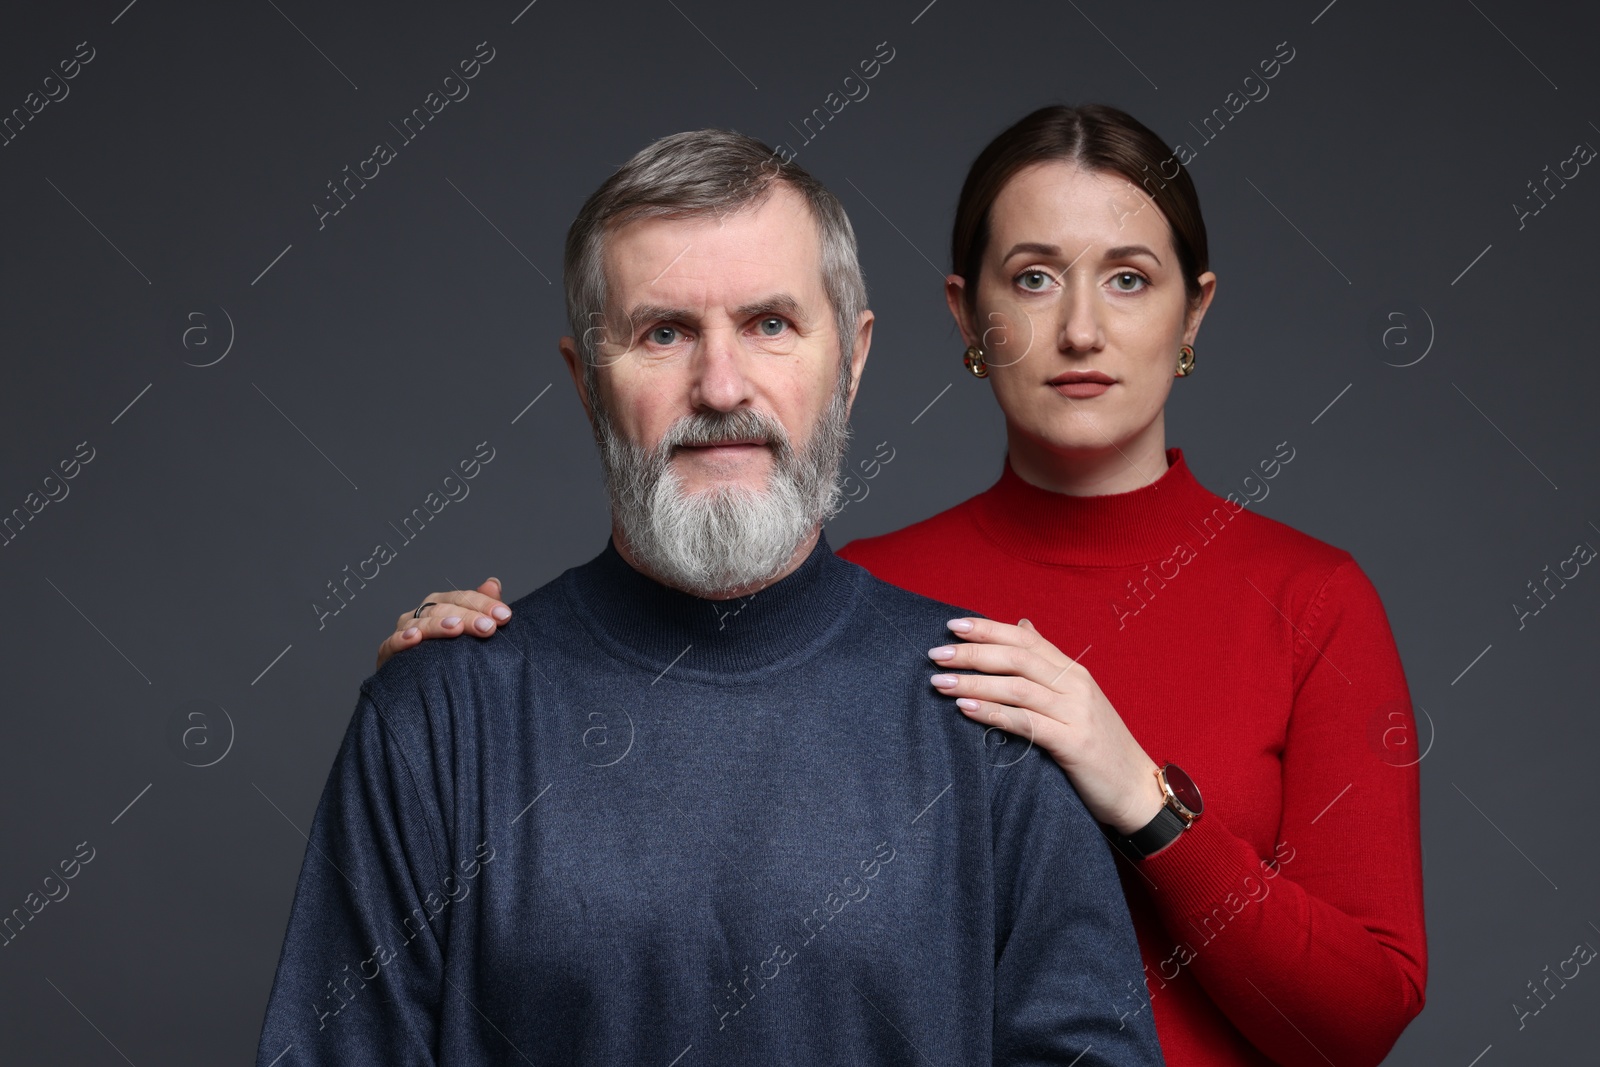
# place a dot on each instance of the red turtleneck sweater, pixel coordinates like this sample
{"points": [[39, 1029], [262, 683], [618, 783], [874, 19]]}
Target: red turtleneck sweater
{"points": [[1285, 926]]}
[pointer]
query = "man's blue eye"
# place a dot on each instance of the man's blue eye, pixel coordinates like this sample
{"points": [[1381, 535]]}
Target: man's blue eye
{"points": [[664, 335], [773, 326]]}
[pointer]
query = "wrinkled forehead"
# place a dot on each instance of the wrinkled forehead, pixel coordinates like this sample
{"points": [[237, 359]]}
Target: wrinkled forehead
{"points": [[720, 262]]}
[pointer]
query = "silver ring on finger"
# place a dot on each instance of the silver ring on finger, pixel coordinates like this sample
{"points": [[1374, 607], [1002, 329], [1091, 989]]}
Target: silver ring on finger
{"points": [[418, 613]]}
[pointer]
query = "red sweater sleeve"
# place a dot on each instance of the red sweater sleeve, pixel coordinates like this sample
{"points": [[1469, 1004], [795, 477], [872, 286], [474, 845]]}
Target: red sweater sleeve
{"points": [[1323, 955]]}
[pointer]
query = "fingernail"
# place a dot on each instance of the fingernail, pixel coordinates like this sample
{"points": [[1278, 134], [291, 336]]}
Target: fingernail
{"points": [[411, 631], [960, 626], [454, 620], [943, 681], [967, 704], [496, 581], [943, 652], [483, 625], [501, 613]]}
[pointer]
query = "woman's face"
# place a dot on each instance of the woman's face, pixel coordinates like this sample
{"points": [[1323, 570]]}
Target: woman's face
{"points": [[1079, 275]]}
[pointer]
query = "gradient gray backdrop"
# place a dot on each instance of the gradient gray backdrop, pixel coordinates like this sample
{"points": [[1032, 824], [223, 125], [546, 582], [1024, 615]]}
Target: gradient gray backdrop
{"points": [[164, 209]]}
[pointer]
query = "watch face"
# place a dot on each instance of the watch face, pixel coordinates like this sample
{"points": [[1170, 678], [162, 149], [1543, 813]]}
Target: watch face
{"points": [[1183, 788]]}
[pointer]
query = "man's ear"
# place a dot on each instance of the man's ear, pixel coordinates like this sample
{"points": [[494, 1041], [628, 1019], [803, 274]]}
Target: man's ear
{"points": [[955, 289], [858, 354], [574, 361]]}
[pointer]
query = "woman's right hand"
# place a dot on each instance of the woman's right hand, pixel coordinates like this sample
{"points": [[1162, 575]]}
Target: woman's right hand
{"points": [[460, 611]]}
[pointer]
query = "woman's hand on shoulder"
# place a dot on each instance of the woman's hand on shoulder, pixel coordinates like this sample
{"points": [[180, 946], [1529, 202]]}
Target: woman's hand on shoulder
{"points": [[459, 611], [1032, 689]]}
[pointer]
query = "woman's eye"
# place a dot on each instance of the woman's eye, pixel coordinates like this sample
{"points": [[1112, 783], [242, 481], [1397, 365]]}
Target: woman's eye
{"points": [[1134, 281], [771, 326], [664, 335], [1033, 280]]}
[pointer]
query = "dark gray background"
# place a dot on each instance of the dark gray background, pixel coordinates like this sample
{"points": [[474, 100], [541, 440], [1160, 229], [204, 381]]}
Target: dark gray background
{"points": [[375, 353]]}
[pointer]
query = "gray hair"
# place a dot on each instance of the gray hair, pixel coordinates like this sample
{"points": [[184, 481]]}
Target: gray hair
{"points": [[698, 173]]}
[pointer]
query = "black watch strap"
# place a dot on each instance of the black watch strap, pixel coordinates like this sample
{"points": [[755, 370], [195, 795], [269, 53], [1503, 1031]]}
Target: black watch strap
{"points": [[1157, 833]]}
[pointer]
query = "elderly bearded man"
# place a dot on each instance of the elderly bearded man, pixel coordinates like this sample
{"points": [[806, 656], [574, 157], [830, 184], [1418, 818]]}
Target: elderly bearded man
{"points": [[699, 804]]}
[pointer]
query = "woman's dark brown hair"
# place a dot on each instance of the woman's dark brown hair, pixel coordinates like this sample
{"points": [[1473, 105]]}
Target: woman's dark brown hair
{"points": [[1096, 137]]}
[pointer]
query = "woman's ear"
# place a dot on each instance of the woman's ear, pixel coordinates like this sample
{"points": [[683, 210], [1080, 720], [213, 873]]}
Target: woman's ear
{"points": [[955, 289], [1197, 308]]}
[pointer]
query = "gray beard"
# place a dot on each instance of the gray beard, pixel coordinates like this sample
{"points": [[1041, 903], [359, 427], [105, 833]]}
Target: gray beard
{"points": [[722, 540]]}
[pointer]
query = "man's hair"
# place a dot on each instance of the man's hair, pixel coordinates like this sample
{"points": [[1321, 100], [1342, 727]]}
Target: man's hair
{"points": [[694, 174]]}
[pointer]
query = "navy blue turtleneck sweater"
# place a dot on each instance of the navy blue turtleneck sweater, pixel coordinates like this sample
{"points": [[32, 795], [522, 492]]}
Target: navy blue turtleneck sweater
{"points": [[640, 827]]}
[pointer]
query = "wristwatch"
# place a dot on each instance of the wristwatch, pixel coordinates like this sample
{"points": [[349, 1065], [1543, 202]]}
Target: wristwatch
{"points": [[1181, 807]]}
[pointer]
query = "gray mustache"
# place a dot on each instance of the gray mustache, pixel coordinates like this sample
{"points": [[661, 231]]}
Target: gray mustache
{"points": [[707, 429]]}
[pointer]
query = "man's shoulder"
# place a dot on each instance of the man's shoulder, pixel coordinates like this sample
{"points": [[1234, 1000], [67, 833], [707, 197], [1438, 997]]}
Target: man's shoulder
{"points": [[908, 610], [1020, 769], [442, 674]]}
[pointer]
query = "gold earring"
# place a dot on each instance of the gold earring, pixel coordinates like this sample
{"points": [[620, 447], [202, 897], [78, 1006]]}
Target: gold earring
{"points": [[974, 360], [1185, 361]]}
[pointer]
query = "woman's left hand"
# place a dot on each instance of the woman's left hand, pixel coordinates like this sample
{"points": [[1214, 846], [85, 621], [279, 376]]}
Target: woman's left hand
{"points": [[1030, 688]]}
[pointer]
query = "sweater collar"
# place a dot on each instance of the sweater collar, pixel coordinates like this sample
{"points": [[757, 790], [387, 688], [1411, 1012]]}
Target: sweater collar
{"points": [[1107, 530], [658, 627]]}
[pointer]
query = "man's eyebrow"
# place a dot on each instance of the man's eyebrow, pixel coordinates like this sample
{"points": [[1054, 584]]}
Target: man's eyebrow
{"points": [[640, 314], [776, 304]]}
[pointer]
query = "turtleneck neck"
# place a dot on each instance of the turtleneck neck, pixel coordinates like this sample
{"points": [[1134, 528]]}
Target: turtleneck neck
{"points": [[1107, 530], [657, 627]]}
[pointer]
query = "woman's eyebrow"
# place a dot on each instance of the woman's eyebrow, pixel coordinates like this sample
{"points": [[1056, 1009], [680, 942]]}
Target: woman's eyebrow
{"points": [[1032, 246], [1123, 251], [1041, 249]]}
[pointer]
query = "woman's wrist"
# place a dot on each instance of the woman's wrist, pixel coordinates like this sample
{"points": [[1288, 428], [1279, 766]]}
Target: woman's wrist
{"points": [[1146, 803]]}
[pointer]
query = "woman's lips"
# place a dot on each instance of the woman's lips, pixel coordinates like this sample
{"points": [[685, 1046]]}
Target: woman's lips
{"points": [[1082, 390]]}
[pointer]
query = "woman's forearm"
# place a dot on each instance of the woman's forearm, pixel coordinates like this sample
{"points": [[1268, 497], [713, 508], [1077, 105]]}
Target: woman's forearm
{"points": [[1304, 981]]}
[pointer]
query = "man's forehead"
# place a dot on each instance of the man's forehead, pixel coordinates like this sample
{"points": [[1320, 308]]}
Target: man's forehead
{"points": [[733, 260]]}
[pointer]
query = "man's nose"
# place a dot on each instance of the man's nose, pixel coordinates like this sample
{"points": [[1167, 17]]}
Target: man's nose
{"points": [[719, 372]]}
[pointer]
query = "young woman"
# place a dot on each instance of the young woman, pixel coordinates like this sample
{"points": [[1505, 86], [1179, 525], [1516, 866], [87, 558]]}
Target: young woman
{"points": [[1280, 917]]}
